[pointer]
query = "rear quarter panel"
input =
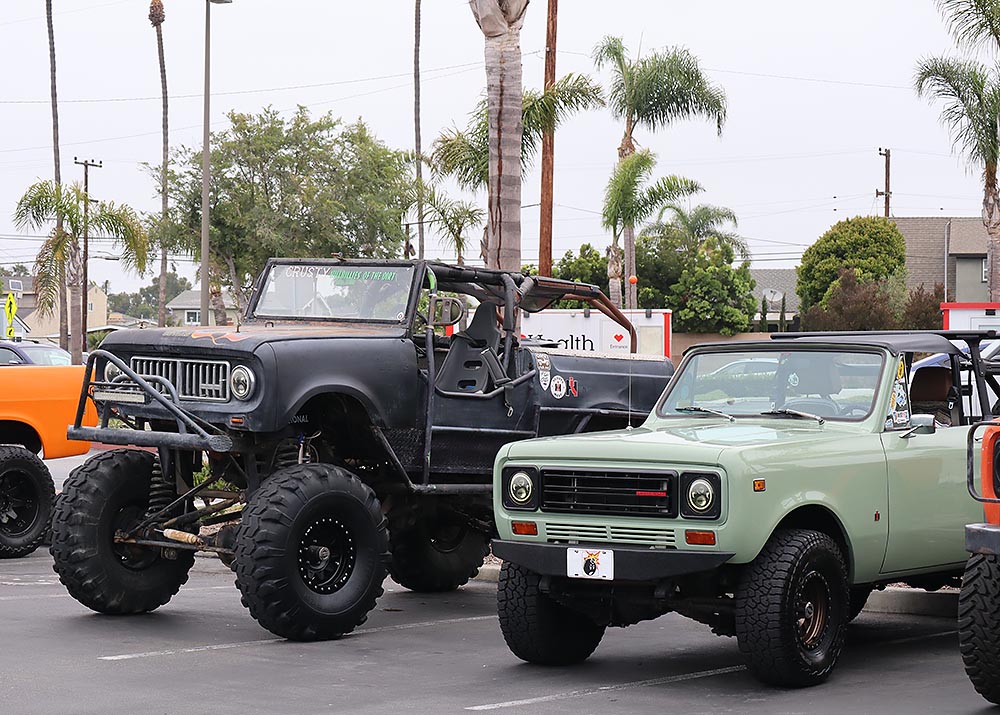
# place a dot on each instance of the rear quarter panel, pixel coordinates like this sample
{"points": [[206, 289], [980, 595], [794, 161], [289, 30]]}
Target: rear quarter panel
{"points": [[45, 398]]}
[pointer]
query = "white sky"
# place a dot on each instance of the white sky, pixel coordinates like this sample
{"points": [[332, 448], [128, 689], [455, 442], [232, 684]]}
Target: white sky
{"points": [[814, 90]]}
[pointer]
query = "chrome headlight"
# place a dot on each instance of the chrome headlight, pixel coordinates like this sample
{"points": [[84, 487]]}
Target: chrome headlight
{"points": [[111, 371], [520, 489], [242, 382], [701, 495]]}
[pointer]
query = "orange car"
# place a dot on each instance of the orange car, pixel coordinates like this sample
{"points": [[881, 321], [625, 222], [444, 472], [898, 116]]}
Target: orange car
{"points": [[37, 403]]}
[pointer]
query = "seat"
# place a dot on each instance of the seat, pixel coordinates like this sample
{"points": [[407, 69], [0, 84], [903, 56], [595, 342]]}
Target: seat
{"points": [[820, 377], [464, 368], [932, 392]]}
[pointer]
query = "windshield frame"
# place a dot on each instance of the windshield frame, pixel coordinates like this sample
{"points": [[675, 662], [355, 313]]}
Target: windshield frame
{"points": [[416, 280], [746, 349]]}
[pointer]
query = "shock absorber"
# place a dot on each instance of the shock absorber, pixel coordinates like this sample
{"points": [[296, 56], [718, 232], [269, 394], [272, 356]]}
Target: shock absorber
{"points": [[161, 492]]}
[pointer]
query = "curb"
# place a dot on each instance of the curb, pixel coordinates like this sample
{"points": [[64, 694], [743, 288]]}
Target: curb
{"points": [[892, 600]]}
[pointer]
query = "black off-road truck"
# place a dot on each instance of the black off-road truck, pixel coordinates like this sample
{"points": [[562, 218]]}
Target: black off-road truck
{"points": [[336, 433]]}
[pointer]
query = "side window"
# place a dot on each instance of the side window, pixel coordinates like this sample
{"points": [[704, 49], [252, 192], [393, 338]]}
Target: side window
{"points": [[9, 357]]}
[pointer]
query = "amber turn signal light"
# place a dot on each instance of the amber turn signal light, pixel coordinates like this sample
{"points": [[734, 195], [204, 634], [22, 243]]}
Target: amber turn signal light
{"points": [[699, 538], [525, 528], [759, 485]]}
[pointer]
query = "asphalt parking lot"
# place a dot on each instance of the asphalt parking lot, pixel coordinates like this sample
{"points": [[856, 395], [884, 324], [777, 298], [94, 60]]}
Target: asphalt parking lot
{"points": [[423, 654]]}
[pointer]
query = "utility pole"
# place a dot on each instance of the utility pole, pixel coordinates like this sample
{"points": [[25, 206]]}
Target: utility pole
{"points": [[887, 193], [87, 164], [548, 151], [416, 131]]}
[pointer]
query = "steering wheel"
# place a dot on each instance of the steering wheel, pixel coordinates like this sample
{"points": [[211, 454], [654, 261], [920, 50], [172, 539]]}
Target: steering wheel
{"points": [[848, 410]]}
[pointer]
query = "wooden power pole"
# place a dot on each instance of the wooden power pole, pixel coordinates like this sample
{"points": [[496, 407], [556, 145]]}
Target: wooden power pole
{"points": [[86, 164], [548, 151], [887, 193]]}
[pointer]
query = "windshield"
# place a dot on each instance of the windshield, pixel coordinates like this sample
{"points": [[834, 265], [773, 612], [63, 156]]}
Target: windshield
{"points": [[346, 292], [827, 383], [43, 355]]}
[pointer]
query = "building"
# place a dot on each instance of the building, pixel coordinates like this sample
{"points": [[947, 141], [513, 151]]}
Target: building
{"points": [[186, 309], [47, 326], [946, 250]]}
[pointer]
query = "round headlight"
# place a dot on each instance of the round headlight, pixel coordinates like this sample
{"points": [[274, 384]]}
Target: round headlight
{"points": [[520, 488], [111, 371], [242, 381], [701, 495]]}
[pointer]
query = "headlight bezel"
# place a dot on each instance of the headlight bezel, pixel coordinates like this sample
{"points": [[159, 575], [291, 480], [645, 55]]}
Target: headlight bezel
{"points": [[251, 382], [106, 371], [507, 476], [714, 508]]}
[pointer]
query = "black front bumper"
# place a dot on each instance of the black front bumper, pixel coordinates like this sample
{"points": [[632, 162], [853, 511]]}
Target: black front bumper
{"points": [[631, 563], [982, 538]]}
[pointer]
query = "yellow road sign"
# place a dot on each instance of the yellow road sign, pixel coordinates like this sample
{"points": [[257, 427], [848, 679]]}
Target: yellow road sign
{"points": [[10, 310]]}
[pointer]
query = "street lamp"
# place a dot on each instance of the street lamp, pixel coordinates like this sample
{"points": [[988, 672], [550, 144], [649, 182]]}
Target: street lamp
{"points": [[206, 161]]}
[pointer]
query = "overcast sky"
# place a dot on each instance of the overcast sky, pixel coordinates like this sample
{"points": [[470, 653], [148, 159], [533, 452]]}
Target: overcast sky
{"points": [[814, 90]]}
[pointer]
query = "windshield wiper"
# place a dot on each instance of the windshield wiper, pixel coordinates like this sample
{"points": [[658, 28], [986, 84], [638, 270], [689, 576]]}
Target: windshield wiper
{"points": [[785, 412], [706, 411]]}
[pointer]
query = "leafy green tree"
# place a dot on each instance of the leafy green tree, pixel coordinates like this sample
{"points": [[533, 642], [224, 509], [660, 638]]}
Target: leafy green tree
{"points": [[653, 92], [59, 259], [293, 187], [923, 309], [712, 296], [587, 266], [762, 318], [145, 302], [854, 303], [693, 227], [18, 270], [871, 245], [629, 199]]}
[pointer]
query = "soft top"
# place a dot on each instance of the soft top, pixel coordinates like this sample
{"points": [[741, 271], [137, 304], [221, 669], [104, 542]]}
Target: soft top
{"points": [[897, 341]]}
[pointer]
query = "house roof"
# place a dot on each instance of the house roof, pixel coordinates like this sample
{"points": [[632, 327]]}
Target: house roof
{"points": [[967, 238], [782, 280], [27, 283], [191, 300]]}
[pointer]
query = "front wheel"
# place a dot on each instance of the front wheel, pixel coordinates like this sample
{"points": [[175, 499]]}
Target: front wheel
{"points": [[26, 498], [310, 552], [979, 624], [537, 628], [791, 609]]}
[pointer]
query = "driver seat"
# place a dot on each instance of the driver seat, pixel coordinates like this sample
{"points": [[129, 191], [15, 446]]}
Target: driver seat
{"points": [[932, 392], [464, 368]]}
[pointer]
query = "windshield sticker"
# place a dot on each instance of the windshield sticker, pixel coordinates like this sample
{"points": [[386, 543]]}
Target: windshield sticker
{"points": [[333, 272], [793, 379], [558, 387], [899, 410]]}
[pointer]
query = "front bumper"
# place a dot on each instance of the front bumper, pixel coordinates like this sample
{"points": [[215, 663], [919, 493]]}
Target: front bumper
{"points": [[631, 563], [982, 538]]}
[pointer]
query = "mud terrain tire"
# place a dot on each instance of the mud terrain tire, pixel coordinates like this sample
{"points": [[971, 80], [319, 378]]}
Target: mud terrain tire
{"points": [[27, 496], [436, 554], [979, 624]]}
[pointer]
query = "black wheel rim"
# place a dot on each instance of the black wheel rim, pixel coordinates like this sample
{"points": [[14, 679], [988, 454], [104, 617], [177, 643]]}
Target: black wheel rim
{"points": [[326, 555], [448, 536], [131, 556], [813, 605], [19, 503]]}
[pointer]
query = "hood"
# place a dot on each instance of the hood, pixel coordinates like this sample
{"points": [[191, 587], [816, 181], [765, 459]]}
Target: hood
{"points": [[694, 441], [246, 338]]}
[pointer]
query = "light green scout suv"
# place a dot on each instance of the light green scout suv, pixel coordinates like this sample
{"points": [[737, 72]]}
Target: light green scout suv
{"points": [[773, 487]]}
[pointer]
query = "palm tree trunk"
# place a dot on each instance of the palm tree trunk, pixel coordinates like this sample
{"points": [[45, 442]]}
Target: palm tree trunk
{"points": [[631, 290], [74, 278], [991, 219], [63, 321], [416, 129], [615, 273], [161, 316]]}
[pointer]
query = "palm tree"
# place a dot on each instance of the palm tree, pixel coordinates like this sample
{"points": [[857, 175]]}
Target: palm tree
{"points": [[653, 92], [971, 96], [63, 321], [156, 18], [465, 155], [500, 21], [630, 199], [58, 261], [697, 227], [454, 219], [969, 91]]}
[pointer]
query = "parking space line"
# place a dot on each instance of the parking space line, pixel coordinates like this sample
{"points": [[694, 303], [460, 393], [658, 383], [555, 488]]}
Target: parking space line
{"points": [[667, 680], [266, 641]]}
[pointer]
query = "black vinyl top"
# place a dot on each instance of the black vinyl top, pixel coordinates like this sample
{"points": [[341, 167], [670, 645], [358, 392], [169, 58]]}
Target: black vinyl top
{"points": [[898, 341]]}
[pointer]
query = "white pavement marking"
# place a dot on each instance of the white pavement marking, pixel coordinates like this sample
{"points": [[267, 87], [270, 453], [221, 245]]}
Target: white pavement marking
{"points": [[66, 595], [265, 641], [667, 680]]}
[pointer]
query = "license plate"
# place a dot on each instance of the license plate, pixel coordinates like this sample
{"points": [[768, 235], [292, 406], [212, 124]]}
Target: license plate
{"points": [[590, 563]]}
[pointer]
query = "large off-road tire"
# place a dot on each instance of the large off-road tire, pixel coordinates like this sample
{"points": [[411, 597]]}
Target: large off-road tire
{"points": [[791, 609], [858, 598], [311, 552], [26, 498], [537, 628], [108, 493], [437, 554], [979, 624]]}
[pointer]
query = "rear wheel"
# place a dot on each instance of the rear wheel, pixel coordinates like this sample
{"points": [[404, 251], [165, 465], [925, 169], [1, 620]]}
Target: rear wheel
{"points": [[311, 552], [979, 624], [26, 498], [110, 493], [437, 554], [537, 628], [791, 609]]}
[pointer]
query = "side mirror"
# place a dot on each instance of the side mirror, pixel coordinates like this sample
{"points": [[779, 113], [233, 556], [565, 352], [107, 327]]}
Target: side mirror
{"points": [[920, 424], [445, 310]]}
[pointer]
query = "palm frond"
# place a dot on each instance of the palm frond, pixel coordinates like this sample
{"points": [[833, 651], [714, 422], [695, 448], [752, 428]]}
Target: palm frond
{"points": [[462, 156], [663, 190], [973, 23], [124, 225], [37, 206], [546, 110], [670, 85], [49, 273]]}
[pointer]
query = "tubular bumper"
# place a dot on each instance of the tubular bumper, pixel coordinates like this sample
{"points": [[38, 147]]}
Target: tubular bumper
{"points": [[982, 538], [631, 563]]}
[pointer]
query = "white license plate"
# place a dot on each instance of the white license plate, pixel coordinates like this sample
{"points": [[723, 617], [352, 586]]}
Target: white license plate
{"points": [[590, 563]]}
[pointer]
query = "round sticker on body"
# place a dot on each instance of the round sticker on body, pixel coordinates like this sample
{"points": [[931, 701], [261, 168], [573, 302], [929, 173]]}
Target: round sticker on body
{"points": [[558, 387]]}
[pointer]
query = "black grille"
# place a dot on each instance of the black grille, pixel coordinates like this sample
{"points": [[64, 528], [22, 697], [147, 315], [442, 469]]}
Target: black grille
{"points": [[609, 491]]}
